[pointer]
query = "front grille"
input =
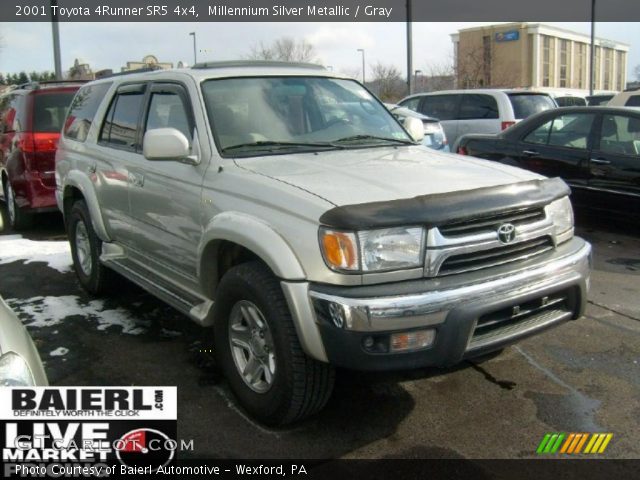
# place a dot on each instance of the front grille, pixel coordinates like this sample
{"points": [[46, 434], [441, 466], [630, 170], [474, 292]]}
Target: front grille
{"points": [[520, 319], [495, 256], [491, 223]]}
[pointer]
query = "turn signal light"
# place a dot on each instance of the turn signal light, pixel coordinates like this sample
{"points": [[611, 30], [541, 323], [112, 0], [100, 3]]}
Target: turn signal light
{"points": [[339, 250], [408, 341]]}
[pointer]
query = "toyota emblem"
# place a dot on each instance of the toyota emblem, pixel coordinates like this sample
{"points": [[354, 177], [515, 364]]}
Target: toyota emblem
{"points": [[506, 232]]}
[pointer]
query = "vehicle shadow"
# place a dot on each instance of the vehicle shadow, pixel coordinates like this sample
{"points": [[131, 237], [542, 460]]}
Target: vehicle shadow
{"points": [[47, 226]]}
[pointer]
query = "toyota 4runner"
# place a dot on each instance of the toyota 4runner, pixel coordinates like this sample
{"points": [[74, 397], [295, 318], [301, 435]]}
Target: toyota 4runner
{"points": [[284, 206]]}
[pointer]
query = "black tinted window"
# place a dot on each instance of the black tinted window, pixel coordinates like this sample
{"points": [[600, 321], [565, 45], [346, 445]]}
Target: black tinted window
{"points": [[633, 101], [411, 103], [82, 110], [49, 110], [120, 125], [442, 107], [571, 101], [620, 135], [525, 105], [476, 106]]}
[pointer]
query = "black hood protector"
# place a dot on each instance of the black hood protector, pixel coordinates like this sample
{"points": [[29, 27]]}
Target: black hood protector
{"points": [[445, 208]]}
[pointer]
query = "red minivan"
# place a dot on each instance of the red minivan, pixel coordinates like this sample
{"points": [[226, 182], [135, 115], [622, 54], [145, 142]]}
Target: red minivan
{"points": [[31, 117]]}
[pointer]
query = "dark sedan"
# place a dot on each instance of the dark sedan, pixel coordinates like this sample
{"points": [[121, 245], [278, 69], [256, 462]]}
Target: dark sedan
{"points": [[596, 150]]}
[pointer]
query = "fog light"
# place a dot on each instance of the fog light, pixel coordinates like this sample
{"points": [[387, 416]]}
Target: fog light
{"points": [[405, 342]]}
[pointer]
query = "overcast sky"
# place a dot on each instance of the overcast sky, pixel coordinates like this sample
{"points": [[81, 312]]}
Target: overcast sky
{"points": [[28, 46]]}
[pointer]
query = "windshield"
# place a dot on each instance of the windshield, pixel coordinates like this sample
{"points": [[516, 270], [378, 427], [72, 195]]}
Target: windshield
{"points": [[50, 109], [254, 116], [526, 104]]}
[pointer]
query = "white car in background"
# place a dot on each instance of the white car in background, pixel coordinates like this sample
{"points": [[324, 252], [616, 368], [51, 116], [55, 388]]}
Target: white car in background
{"points": [[478, 110], [20, 364], [628, 98], [434, 136]]}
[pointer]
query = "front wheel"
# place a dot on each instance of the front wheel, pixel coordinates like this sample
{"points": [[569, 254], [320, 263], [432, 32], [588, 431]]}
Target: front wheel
{"points": [[258, 349], [85, 250]]}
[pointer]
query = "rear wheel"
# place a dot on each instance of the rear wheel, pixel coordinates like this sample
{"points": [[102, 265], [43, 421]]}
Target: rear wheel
{"points": [[18, 218], [85, 250], [258, 349]]}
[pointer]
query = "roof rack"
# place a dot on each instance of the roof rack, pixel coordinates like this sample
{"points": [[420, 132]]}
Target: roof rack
{"points": [[257, 63], [46, 83], [131, 72]]}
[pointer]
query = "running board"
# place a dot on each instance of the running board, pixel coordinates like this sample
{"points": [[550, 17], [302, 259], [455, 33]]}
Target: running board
{"points": [[194, 306]]}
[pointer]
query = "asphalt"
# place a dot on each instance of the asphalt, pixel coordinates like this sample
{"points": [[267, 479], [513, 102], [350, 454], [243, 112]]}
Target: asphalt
{"points": [[583, 376]]}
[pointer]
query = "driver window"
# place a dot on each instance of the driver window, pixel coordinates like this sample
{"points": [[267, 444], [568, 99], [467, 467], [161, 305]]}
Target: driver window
{"points": [[166, 110]]}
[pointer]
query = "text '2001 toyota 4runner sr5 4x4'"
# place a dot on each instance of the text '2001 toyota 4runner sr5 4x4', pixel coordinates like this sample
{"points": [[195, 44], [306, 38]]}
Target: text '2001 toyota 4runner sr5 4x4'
{"points": [[285, 207]]}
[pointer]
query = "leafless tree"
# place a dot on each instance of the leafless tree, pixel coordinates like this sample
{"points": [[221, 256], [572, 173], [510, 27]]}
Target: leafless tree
{"points": [[387, 82], [474, 70], [285, 49], [435, 76]]}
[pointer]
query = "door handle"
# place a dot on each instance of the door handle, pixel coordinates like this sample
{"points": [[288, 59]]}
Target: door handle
{"points": [[136, 179], [600, 161], [530, 153], [91, 169]]}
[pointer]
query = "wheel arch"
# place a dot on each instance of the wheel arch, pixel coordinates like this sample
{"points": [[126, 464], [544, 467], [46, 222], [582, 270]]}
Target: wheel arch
{"points": [[79, 187]]}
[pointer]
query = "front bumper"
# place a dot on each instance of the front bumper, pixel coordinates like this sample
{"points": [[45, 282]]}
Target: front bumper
{"points": [[470, 314]]}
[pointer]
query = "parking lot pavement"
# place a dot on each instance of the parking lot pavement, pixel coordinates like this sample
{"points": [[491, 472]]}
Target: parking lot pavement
{"points": [[582, 376]]}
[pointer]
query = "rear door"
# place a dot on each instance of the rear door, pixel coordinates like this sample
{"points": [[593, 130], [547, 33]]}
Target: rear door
{"points": [[614, 166], [445, 108], [559, 146], [478, 113]]}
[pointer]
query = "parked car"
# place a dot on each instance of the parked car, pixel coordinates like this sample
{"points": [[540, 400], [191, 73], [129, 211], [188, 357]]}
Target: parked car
{"points": [[20, 364], [285, 206], [478, 111], [596, 150], [628, 98], [599, 99], [434, 136], [31, 118]]}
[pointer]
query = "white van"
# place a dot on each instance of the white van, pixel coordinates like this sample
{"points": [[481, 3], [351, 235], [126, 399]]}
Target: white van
{"points": [[628, 98], [479, 110]]}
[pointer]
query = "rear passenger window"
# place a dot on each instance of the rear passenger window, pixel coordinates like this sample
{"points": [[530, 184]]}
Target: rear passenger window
{"points": [[477, 106], [633, 101], [121, 123], [82, 110], [412, 103], [167, 110], [569, 131], [620, 135], [442, 107]]}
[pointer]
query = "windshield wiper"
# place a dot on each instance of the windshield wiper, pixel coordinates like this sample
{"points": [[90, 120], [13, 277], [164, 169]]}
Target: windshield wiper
{"points": [[357, 138], [272, 144]]}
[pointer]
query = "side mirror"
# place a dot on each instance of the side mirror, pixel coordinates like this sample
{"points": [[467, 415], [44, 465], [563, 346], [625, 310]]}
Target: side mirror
{"points": [[167, 144], [415, 128]]}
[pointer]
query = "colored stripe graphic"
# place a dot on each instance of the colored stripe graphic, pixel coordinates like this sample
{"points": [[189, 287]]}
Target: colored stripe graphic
{"points": [[573, 443]]}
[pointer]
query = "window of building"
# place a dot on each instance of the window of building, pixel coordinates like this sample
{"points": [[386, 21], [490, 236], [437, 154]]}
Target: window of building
{"points": [[580, 65], [620, 63], [564, 62], [608, 68], [547, 61], [486, 59], [598, 68]]}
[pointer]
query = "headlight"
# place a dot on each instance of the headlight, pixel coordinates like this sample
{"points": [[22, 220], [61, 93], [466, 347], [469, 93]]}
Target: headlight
{"points": [[373, 250], [14, 371], [561, 213]]}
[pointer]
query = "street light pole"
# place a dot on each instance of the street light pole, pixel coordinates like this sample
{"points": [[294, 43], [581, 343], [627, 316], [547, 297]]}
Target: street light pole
{"points": [[592, 71], [57, 62], [195, 58], [409, 47], [415, 79], [361, 50]]}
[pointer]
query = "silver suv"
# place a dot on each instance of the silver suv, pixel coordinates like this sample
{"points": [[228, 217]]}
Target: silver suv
{"points": [[284, 206]]}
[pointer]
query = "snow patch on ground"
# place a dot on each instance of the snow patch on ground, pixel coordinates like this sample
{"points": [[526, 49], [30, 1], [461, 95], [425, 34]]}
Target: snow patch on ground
{"points": [[59, 352], [57, 254], [49, 311]]}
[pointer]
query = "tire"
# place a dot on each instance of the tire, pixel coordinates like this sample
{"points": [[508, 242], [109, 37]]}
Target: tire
{"points": [[299, 386], [18, 218], [86, 247]]}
